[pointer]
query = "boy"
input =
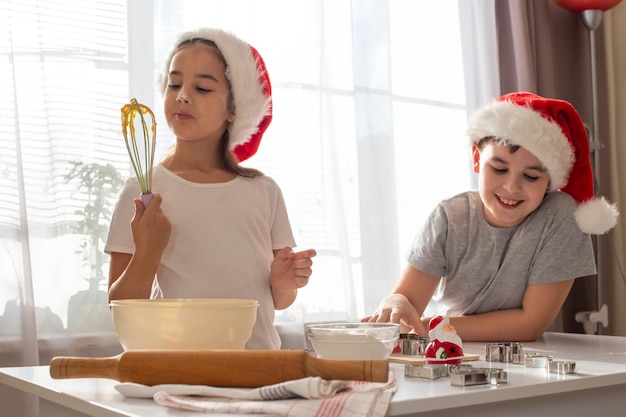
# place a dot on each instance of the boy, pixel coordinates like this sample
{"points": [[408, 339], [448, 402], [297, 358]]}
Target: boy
{"points": [[501, 260]]}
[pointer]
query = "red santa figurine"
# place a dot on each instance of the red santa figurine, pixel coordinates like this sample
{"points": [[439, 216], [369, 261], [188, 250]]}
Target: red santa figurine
{"points": [[445, 345]]}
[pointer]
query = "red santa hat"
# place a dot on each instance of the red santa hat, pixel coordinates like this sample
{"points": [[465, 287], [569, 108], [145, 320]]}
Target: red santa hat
{"points": [[434, 322], [249, 83], [553, 131]]}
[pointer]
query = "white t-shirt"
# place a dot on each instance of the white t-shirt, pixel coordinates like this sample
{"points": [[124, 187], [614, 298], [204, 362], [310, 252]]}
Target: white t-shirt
{"points": [[485, 268], [221, 241]]}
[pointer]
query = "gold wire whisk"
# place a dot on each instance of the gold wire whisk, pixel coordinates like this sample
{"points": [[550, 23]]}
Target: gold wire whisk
{"points": [[141, 153]]}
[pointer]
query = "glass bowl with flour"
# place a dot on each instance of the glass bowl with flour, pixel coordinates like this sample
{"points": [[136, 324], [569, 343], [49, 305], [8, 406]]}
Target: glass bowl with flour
{"points": [[353, 340]]}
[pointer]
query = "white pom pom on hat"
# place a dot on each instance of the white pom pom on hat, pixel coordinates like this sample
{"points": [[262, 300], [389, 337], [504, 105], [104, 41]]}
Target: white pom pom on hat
{"points": [[250, 86], [553, 131]]}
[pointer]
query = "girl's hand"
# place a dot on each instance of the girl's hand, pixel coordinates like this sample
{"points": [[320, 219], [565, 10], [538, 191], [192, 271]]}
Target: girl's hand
{"points": [[131, 276], [289, 270], [151, 229]]}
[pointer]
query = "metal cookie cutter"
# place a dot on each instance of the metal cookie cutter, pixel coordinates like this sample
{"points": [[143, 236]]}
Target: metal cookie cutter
{"points": [[426, 371], [510, 352], [536, 360], [413, 344], [467, 375], [562, 367]]}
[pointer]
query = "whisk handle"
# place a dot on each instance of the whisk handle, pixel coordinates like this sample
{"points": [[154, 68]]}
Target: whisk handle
{"points": [[146, 199]]}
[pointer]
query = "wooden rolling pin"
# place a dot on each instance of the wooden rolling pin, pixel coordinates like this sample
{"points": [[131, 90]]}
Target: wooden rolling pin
{"points": [[218, 368]]}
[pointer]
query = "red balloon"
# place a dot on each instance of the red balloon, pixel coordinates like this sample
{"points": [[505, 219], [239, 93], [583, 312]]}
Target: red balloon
{"points": [[578, 6]]}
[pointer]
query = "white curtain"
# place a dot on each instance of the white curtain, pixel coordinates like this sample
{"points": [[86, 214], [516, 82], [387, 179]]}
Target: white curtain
{"points": [[370, 101]]}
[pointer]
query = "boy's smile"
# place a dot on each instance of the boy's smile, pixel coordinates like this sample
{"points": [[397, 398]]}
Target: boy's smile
{"points": [[511, 184]]}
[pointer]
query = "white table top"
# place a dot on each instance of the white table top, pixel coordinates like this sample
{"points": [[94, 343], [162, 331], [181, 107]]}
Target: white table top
{"points": [[600, 362]]}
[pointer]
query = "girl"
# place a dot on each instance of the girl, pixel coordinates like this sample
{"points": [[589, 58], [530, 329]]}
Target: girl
{"points": [[214, 228]]}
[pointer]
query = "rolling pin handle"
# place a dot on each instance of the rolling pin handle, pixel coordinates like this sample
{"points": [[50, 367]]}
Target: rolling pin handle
{"points": [[62, 367]]}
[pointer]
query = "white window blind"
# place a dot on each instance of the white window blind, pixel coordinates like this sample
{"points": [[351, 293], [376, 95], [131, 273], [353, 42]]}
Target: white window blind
{"points": [[367, 135], [65, 76]]}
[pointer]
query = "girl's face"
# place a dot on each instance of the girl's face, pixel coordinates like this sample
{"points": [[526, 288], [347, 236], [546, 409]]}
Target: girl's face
{"points": [[511, 185], [196, 99]]}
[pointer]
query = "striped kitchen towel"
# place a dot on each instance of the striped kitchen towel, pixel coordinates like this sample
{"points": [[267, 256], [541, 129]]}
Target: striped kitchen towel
{"points": [[307, 397]]}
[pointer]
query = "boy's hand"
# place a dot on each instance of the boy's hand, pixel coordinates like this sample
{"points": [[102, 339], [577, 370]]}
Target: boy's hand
{"points": [[396, 308]]}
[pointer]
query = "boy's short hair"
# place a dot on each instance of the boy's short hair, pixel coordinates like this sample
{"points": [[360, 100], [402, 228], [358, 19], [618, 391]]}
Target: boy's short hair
{"points": [[512, 147]]}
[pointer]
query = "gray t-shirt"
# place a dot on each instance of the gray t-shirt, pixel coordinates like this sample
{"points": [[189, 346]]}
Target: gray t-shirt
{"points": [[485, 268]]}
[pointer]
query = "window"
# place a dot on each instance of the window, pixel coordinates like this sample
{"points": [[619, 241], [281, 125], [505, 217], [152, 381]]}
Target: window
{"points": [[368, 135], [64, 70]]}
